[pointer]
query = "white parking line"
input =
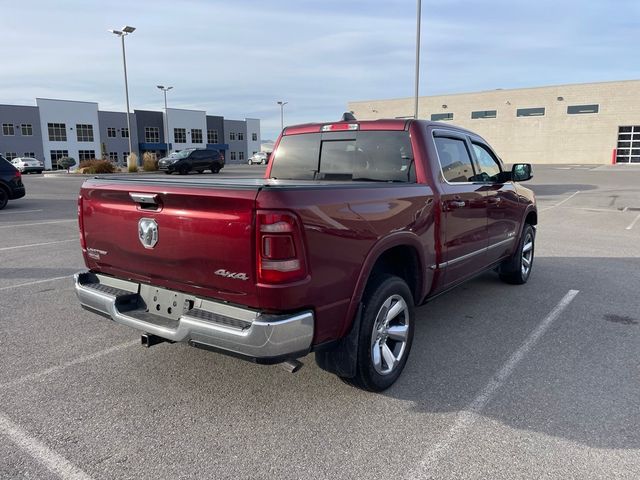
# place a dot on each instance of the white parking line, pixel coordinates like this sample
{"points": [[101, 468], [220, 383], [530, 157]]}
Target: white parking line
{"points": [[467, 417], [37, 244], [53, 461], [560, 203], [77, 361], [21, 211], [34, 283], [39, 223], [633, 223]]}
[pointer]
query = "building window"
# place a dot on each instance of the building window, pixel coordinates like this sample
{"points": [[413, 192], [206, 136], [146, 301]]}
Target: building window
{"points": [[57, 132], [254, 137], [233, 155], [113, 156], [86, 155], [576, 109], [30, 154], [240, 136], [436, 117], [240, 155], [484, 114], [26, 129], [152, 134], [56, 155], [530, 112], [7, 129], [232, 135], [10, 155], [196, 135], [124, 156], [111, 132], [180, 135], [84, 133], [212, 136], [124, 132]]}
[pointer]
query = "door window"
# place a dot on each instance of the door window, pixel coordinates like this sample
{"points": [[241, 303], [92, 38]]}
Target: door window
{"points": [[454, 159], [489, 168]]}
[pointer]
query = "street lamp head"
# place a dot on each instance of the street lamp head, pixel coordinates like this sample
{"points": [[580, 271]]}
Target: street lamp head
{"points": [[282, 103], [115, 32], [128, 29], [161, 87]]}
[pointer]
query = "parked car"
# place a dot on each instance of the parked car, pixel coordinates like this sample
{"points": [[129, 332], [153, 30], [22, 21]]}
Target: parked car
{"points": [[11, 186], [261, 158], [28, 164], [354, 224], [192, 159]]}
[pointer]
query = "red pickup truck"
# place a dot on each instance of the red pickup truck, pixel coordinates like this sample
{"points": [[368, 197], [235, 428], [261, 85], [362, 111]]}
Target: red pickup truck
{"points": [[354, 223]]}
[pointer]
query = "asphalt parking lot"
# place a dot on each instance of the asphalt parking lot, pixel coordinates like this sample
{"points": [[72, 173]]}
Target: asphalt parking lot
{"points": [[503, 382]]}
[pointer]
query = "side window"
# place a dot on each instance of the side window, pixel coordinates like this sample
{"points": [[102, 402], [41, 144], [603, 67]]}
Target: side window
{"points": [[489, 166], [454, 159]]}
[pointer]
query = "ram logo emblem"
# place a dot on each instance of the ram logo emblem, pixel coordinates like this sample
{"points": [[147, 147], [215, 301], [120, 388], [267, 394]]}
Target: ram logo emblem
{"points": [[148, 232]]}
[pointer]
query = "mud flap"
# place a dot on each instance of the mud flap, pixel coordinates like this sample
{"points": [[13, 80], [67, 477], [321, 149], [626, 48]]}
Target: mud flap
{"points": [[342, 359]]}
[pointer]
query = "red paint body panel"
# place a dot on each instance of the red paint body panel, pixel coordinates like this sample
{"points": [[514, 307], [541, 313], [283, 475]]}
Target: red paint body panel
{"points": [[208, 224]]}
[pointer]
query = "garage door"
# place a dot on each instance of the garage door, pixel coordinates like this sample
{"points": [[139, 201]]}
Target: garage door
{"points": [[628, 144]]}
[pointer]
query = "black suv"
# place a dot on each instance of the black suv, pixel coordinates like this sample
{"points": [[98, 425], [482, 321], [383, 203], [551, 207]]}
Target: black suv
{"points": [[197, 159], [11, 186]]}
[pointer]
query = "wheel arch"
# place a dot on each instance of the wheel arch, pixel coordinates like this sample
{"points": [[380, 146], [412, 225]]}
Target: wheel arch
{"points": [[400, 254]]}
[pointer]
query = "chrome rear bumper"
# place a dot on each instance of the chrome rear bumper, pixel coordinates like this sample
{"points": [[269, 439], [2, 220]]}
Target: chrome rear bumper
{"points": [[202, 322]]}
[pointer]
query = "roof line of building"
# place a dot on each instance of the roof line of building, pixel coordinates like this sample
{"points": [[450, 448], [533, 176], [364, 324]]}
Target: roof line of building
{"points": [[63, 100], [506, 90]]}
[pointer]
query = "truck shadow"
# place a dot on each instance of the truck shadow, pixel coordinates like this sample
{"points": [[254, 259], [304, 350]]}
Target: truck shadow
{"points": [[578, 382], [559, 189]]}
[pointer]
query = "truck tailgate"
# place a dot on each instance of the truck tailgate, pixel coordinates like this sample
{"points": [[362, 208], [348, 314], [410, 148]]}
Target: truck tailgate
{"points": [[205, 239]]}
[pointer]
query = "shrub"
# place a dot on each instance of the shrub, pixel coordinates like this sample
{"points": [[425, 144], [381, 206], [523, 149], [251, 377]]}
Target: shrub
{"points": [[132, 163], [66, 162], [149, 162], [97, 166]]}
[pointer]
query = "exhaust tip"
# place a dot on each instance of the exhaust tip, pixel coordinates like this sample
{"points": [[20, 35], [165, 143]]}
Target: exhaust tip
{"points": [[292, 365]]}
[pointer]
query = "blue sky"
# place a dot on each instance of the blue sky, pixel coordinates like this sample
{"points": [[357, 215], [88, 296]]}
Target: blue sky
{"points": [[237, 58]]}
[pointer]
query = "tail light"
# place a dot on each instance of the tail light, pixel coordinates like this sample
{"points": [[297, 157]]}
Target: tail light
{"points": [[18, 174], [280, 248], [339, 126], [83, 243]]}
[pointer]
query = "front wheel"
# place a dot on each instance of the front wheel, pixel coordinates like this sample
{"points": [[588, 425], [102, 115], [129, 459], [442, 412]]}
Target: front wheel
{"points": [[386, 334], [517, 269], [215, 168], [4, 198]]}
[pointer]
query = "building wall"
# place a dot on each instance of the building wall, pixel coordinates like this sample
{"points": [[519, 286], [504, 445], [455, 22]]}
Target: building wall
{"points": [[117, 144], [253, 127], [187, 119], [216, 123], [148, 118], [70, 113], [555, 137], [234, 127], [19, 144]]}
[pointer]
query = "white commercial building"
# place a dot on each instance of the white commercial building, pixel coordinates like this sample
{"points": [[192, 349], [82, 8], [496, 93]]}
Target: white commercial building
{"points": [[69, 129], [187, 128]]}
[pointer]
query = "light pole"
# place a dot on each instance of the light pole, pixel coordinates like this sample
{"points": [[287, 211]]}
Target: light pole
{"points": [[282, 104], [418, 15], [126, 30], [166, 115]]}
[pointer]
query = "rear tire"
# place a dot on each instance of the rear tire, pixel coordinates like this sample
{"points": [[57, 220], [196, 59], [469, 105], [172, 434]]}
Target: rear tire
{"points": [[4, 197], [184, 170], [386, 334], [215, 168], [516, 270]]}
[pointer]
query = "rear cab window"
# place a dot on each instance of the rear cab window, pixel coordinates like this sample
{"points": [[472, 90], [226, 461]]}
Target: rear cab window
{"points": [[379, 156]]}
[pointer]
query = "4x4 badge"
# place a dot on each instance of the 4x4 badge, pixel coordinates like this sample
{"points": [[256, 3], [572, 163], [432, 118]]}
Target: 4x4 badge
{"points": [[148, 232]]}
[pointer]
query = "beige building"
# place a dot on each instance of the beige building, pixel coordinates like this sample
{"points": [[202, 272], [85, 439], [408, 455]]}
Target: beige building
{"points": [[580, 123]]}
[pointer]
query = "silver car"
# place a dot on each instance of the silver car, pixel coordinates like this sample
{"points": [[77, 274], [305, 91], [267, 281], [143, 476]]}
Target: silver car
{"points": [[261, 158]]}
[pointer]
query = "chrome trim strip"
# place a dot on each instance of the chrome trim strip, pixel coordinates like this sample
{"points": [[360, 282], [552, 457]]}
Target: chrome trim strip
{"points": [[477, 252]]}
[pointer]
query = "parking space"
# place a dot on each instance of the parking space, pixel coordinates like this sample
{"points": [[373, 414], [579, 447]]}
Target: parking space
{"points": [[537, 381]]}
